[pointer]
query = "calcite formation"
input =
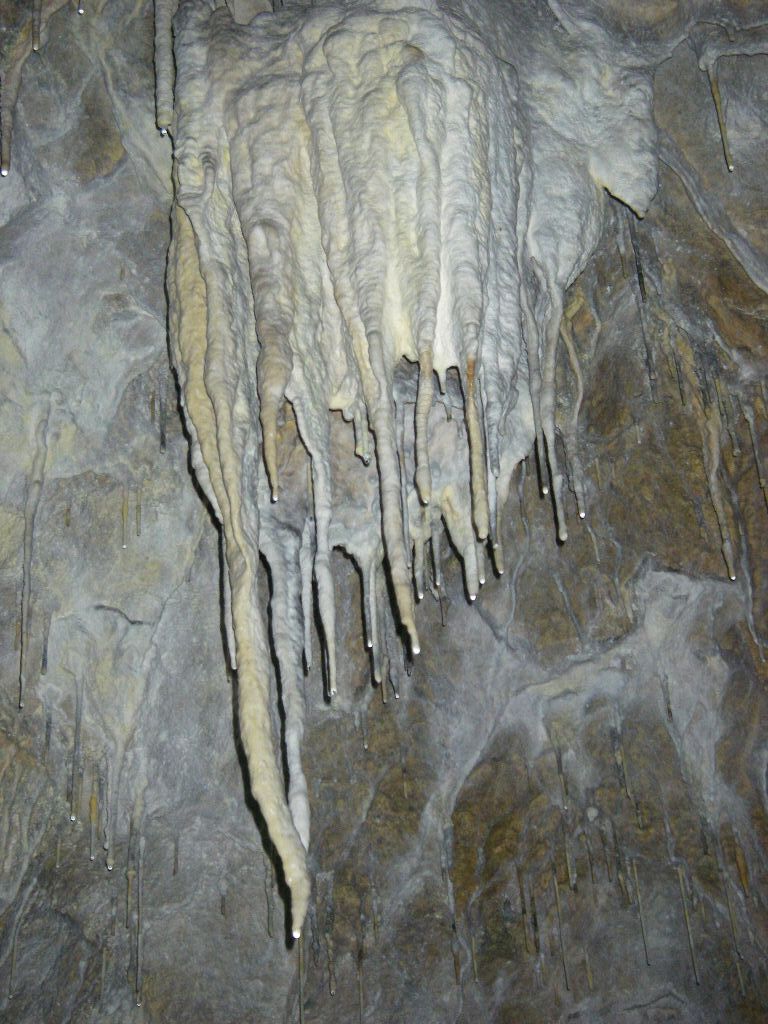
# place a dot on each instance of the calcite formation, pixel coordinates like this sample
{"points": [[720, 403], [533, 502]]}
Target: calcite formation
{"points": [[377, 214], [409, 296]]}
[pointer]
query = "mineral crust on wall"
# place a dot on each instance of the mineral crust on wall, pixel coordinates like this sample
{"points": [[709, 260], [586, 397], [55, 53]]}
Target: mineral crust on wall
{"points": [[414, 319]]}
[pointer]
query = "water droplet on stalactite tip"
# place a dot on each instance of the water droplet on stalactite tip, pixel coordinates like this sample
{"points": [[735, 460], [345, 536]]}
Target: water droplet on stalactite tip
{"points": [[732, 577], [4, 172], [296, 934], [582, 515], [164, 132], [472, 597]]}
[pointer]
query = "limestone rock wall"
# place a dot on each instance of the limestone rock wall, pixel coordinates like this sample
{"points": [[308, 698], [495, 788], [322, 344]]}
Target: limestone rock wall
{"points": [[564, 810]]}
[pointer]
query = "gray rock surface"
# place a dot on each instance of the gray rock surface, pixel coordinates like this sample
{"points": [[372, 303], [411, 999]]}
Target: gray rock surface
{"points": [[565, 811]]}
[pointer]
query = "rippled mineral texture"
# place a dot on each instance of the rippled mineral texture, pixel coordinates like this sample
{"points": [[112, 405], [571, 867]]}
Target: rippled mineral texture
{"points": [[467, 287]]}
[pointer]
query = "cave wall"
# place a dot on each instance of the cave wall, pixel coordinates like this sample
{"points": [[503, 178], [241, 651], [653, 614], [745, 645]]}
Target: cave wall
{"points": [[559, 806]]}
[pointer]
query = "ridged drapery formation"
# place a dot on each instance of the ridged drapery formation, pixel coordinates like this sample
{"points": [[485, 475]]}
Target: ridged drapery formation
{"points": [[371, 220]]}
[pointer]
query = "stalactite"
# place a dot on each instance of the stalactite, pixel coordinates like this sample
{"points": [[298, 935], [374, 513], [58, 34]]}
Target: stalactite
{"points": [[164, 11], [139, 981], [93, 813], [37, 14], [77, 754], [570, 434], [684, 901], [712, 454], [640, 915], [558, 909], [749, 416], [31, 503], [329, 947]]}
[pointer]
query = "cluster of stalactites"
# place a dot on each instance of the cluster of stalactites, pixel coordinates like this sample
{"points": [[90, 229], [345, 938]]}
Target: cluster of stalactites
{"points": [[28, 40], [345, 236], [368, 227]]}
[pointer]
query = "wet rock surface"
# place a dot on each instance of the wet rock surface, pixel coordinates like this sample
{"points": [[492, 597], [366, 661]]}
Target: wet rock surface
{"points": [[564, 811]]}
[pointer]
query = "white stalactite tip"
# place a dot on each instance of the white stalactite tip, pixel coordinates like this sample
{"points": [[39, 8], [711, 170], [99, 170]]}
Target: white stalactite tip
{"points": [[732, 578], [274, 497], [582, 515], [4, 172], [164, 132], [296, 934], [415, 650], [482, 581], [472, 597], [545, 490]]}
